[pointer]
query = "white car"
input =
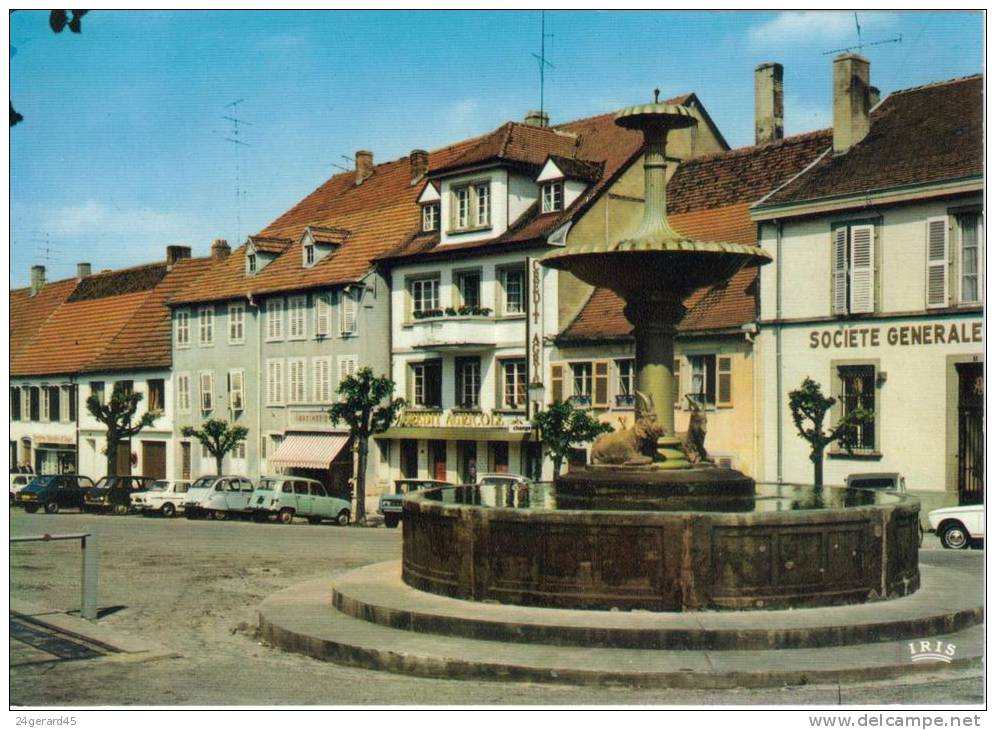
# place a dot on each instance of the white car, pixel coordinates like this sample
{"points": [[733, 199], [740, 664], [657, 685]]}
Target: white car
{"points": [[959, 527], [17, 483], [165, 497], [218, 497]]}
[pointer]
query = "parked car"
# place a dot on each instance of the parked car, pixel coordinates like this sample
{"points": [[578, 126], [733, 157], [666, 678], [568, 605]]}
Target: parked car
{"points": [[113, 494], [164, 496], [502, 480], [287, 497], [510, 490], [218, 497], [389, 505], [54, 492], [888, 481], [959, 527], [17, 483]]}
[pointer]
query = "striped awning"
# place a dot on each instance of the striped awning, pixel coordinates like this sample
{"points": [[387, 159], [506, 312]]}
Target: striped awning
{"points": [[310, 451]]}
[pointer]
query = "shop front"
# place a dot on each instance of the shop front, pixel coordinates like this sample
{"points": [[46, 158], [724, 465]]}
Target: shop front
{"points": [[50, 453], [313, 449]]}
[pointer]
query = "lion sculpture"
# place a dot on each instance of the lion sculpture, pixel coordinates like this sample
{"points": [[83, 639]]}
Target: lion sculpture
{"points": [[631, 446]]}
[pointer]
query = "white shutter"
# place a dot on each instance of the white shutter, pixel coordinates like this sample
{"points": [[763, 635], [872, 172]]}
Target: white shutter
{"points": [[937, 262], [862, 269], [322, 379], [274, 382], [347, 310], [235, 388], [207, 391], [347, 366], [839, 282], [322, 315], [275, 319]]}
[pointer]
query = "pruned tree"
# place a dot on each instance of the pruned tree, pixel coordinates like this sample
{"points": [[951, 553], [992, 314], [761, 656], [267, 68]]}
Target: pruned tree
{"points": [[809, 409], [217, 437], [367, 407], [117, 416], [564, 427]]}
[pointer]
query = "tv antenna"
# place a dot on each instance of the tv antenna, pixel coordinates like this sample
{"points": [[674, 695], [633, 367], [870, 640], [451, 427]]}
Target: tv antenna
{"points": [[233, 137], [898, 38], [45, 248], [337, 166], [541, 57]]}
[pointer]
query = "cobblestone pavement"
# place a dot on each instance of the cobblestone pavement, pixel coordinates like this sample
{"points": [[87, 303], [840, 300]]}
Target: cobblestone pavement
{"points": [[193, 586]]}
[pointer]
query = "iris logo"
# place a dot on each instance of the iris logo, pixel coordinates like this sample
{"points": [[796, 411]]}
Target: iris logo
{"points": [[932, 651]]}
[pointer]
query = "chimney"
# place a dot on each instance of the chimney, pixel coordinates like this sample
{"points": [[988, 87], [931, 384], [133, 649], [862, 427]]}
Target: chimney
{"points": [[174, 253], [219, 249], [874, 97], [419, 162], [850, 101], [535, 118], [769, 110], [37, 279], [364, 165], [82, 270]]}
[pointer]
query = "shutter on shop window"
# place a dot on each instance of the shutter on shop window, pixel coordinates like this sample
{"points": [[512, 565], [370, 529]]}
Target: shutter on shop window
{"points": [[839, 283], [937, 262], [556, 383], [724, 381], [601, 394], [862, 269]]}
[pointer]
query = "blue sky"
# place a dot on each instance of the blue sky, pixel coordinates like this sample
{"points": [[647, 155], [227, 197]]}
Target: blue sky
{"points": [[122, 150]]}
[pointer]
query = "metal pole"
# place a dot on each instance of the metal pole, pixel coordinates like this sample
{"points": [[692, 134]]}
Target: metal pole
{"points": [[88, 544]]}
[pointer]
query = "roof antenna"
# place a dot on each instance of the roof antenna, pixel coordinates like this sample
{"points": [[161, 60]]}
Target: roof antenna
{"points": [[543, 63], [236, 142], [898, 38], [657, 96]]}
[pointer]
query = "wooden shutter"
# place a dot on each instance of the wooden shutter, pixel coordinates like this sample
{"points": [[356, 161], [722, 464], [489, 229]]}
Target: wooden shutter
{"points": [[207, 394], [556, 383], [323, 309], [862, 269], [347, 308], [839, 277], [724, 381], [601, 394], [937, 262], [675, 383]]}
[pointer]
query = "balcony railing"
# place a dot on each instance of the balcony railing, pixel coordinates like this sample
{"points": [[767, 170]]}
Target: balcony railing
{"points": [[580, 401]]}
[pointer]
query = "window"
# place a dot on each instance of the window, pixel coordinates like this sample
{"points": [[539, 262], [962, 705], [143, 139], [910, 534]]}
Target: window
{"points": [[321, 373], [125, 386], [581, 375], [469, 288], [854, 269], [157, 394], [553, 196], [427, 384], [274, 382], [347, 366], [182, 328], [183, 392], [15, 404], [207, 391], [274, 319], [513, 284], [556, 383], [236, 323], [236, 389], [97, 389], [430, 217], [857, 390], [296, 307], [724, 381], [251, 263], [472, 206], [295, 380], [703, 380], [54, 403], [347, 313], [71, 395], [969, 233], [323, 315], [205, 321], [625, 371], [34, 403], [309, 254], [239, 452], [513, 389], [425, 294], [468, 382]]}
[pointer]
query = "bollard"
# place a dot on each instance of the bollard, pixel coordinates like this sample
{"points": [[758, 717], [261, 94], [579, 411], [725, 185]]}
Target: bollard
{"points": [[88, 544]]}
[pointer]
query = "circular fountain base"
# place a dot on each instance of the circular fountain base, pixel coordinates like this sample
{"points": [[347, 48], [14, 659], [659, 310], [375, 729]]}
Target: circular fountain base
{"points": [[779, 548]]}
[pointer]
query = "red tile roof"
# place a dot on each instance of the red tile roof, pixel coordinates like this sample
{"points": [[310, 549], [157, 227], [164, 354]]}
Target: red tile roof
{"points": [[926, 134], [28, 313]]}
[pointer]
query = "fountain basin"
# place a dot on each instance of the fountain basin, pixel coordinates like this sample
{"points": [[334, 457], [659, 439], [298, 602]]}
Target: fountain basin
{"points": [[782, 547]]}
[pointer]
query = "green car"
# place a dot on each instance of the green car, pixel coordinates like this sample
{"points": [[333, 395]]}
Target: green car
{"points": [[54, 492]]}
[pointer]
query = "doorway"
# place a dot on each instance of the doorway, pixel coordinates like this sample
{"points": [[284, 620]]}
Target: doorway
{"points": [[437, 460], [154, 459], [467, 459], [971, 432], [498, 457], [409, 458]]}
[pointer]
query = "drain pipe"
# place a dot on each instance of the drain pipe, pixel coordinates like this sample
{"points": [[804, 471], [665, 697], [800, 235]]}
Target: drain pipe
{"points": [[778, 349]]}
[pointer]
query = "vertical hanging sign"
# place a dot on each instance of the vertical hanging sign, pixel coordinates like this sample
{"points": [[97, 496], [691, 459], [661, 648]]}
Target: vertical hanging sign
{"points": [[534, 331]]}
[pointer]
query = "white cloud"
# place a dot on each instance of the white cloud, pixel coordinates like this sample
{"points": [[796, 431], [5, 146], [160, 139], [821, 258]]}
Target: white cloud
{"points": [[817, 28], [94, 217]]}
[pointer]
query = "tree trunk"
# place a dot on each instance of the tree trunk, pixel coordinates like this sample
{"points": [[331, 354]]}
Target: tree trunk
{"points": [[361, 482], [112, 456], [818, 468], [557, 461], [218, 462]]}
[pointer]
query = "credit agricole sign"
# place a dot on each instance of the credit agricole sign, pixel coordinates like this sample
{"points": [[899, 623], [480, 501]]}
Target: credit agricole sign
{"points": [[898, 335]]}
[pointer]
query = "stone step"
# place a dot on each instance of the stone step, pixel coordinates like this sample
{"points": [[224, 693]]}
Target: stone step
{"points": [[376, 593], [301, 619]]}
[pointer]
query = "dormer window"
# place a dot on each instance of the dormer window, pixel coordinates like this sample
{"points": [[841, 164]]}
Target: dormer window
{"points": [[553, 196], [309, 255], [430, 217], [251, 263], [472, 206]]}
